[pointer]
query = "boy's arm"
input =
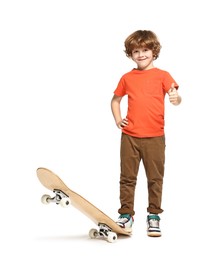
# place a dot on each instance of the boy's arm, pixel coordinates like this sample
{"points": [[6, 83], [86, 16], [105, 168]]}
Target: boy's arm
{"points": [[116, 111], [174, 97]]}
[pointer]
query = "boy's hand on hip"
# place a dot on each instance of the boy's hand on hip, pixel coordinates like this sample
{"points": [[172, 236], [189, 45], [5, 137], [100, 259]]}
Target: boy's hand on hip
{"points": [[122, 123]]}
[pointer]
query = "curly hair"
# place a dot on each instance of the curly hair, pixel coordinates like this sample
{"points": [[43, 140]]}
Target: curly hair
{"points": [[142, 39]]}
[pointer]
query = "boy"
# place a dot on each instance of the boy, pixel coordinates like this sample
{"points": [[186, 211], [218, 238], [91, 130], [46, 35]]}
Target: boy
{"points": [[142, 129]]}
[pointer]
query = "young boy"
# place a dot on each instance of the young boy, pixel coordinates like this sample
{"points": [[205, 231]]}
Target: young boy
{"points": [[142, 129]]}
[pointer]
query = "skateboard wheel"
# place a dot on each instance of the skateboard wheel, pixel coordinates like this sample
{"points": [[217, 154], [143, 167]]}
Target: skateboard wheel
{"points": [[65, 202], [112, 237], [93, 233], [45, 199]]}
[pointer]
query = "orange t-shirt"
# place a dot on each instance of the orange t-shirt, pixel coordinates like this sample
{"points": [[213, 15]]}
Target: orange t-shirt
{"points": [[146, 91]]}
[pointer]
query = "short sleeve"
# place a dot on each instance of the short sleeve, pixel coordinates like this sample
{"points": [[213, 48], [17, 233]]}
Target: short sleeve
{"points": [[121, 89], [167, 81]]}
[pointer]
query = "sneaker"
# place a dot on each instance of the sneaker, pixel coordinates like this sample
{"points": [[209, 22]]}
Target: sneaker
{"points": [[125, 221], [153, 229]]}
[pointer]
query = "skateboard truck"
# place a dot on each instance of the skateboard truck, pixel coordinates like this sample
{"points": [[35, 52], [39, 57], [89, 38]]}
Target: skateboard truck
{"points": [[103, 232], [59, 198]]}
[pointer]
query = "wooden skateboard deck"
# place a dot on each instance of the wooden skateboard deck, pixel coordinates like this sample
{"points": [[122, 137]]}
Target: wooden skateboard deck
{"points": [[107, 228]]}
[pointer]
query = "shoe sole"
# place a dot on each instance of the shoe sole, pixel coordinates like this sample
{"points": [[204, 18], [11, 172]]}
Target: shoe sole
{"points": [[154, 234]]}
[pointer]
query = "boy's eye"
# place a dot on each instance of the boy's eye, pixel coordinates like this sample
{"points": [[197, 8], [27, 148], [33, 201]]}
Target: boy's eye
{"points": [[136, 51]]}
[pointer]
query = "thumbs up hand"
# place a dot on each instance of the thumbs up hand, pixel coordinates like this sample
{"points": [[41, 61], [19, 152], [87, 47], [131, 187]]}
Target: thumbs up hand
{"points": [[174, 97]]}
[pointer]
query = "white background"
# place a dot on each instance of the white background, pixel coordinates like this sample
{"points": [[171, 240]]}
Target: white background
{"points": [[60, 62]]}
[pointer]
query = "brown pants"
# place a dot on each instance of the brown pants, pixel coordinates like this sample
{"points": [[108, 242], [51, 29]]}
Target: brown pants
{"points": [[152, 153]]}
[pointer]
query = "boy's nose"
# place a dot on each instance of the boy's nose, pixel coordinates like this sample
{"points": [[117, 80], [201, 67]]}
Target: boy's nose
{"points": [[141, 54]]}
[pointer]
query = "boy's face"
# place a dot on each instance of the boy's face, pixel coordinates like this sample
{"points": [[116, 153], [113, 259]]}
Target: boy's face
{"points": [[143, 57]]}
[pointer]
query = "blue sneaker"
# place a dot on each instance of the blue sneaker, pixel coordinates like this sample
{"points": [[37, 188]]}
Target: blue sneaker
{"points": [[125, 221], [153, 229]]}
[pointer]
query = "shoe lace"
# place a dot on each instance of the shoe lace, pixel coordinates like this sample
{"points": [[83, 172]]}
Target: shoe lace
{"points": [[153, 221], [124, 218]]}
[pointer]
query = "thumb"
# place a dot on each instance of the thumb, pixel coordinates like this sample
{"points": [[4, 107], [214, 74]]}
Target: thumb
{"points": [[172, 87]]}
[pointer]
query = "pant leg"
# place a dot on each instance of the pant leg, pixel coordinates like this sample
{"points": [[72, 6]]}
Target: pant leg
{"points": [[130, 160], [153, 156]]}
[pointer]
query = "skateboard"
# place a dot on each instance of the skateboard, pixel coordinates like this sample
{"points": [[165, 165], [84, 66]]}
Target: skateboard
{"points": [[62, 195]]}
